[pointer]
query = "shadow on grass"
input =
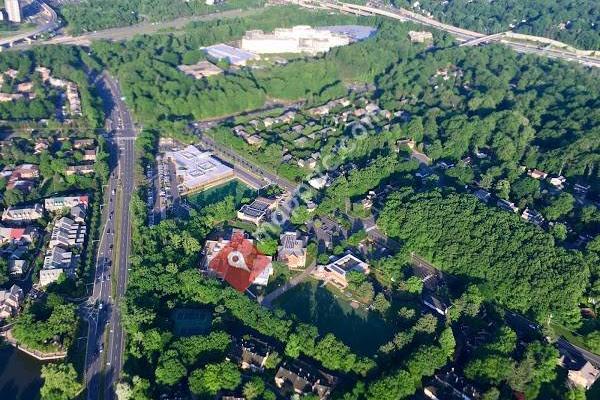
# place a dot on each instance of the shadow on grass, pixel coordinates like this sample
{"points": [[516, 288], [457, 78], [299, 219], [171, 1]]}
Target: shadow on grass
{"points": [[363, 331]]}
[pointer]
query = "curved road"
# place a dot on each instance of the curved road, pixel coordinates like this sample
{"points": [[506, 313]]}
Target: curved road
{"points": [[50, 25]]}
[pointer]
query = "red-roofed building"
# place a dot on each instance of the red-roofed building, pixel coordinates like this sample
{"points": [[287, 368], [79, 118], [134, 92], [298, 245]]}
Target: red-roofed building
{"points": [[237, 261], [17, 235]]}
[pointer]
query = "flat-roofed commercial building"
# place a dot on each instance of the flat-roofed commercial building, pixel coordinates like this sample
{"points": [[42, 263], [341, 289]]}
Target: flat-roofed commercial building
{"points": [[232, 54], [198, 170], [203, 69], [299, 39]]}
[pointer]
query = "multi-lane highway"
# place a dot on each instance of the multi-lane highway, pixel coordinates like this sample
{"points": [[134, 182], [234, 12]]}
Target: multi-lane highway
{"points": [[104, 353]]}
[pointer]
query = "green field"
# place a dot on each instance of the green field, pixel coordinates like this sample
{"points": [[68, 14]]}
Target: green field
{"points": [[233, 188], [363, 331]]}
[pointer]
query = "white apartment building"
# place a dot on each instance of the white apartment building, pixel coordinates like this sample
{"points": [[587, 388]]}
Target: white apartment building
{"points": [[299, 39], [13, 10]]}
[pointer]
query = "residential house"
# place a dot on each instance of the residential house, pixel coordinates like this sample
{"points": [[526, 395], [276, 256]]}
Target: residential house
{"points": [[10, 301], [335, 272], [14, 251], [320, 111], [507, 205], [73, 98], [83, 143], [268, 122], [319, 182], [328, 232], [302, 379], [581, 372], [24, 235], [83, 169], [23, 214], [435, 304], [483, 195], [251, 353], [254, 140], [558, 182], [367, 202], [16, 267], [40, 146], [537, 174], [22, 177], [5, 97], [256, 211], [309, 163], [292, 250], [532, 216], [420, 36], [67, 233], [78, 213], [89, 155], [287, 118], [53, 204]]}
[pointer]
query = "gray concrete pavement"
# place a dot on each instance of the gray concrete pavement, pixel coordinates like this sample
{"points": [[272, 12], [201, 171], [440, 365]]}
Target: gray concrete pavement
{"points": [[103, 364], [145, 28]]}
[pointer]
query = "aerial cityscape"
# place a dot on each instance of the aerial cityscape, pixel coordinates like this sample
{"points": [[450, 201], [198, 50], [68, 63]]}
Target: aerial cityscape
{"points": [[300, 199]]}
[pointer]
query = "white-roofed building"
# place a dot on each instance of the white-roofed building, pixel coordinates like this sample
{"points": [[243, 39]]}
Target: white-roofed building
{"points": [[25, 214], [198, 170], [336, 271], [234, 55], [59, 203]]}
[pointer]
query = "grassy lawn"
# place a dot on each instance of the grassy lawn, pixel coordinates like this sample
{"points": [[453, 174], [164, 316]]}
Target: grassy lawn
{"points": [[363, 331], [233, 188]]}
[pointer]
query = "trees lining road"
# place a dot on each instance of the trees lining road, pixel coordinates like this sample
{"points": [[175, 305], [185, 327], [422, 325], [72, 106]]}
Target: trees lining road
{"points": [[103, 366]]}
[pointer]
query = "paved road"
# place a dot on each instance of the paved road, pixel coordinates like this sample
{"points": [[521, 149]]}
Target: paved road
{"points": [[127, 32], [103, 365], [125, 140], [248, 166], [519, 322], [100, 301]]}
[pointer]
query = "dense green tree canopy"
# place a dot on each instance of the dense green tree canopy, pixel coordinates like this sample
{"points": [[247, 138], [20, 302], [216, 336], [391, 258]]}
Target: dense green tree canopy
{"points": [[518, 265]]}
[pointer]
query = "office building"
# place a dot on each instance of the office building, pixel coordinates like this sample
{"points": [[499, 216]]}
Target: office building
{"points": [[198, 170], [299, 39]]}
